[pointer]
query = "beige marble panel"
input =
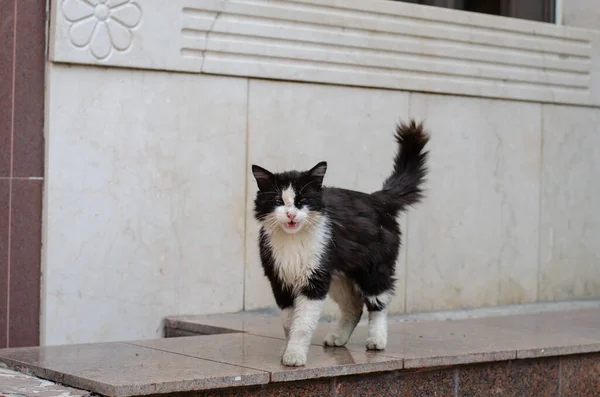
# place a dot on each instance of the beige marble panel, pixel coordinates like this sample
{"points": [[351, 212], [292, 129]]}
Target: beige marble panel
{"points": [[297, 125], [581, 14], [144, 200], [570, 211], [474, 241]]}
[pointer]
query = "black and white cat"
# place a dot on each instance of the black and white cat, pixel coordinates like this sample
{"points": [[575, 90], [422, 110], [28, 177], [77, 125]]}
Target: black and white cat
{"points": [[316, 240]]}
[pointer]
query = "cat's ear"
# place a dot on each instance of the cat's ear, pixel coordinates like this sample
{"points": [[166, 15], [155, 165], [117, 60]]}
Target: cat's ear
{"points": [[318, 171], [264, 178]]}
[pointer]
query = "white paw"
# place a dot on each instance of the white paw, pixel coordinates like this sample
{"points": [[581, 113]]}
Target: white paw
{"points": [[334, 340], [293, 358], [376, 342]]}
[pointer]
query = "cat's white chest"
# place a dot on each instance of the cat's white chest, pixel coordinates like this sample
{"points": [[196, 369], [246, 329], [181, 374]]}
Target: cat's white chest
{"points": [[297, 256]]}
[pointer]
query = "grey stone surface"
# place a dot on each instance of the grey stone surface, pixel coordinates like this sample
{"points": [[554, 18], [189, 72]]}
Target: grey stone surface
{"points": [[581, 13], [245, 349], [552, 334], [478, 336], [121, 369], [264, 354], [569, 216]]}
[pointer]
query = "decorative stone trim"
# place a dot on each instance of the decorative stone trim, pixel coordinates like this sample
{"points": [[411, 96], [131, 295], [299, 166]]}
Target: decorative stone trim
{"points": [[102, 26], [371, 43]]}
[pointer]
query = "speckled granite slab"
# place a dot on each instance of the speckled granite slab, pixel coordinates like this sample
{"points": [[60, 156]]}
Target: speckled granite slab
{"points": [[122, 369], [437, 343], [264, 353], [239, 355]]}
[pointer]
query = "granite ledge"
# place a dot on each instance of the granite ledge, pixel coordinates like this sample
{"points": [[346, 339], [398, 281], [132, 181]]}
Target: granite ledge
{"points": [[425, 344], [580, 377], [246, 349], [264, 354], [122, 370]]}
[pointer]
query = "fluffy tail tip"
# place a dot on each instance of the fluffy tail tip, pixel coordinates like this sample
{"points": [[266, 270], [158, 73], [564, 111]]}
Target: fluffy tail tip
{"points": [[411, 133]]}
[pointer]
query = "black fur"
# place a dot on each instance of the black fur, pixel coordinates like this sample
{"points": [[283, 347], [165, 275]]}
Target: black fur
{"points": [[365, 235]]}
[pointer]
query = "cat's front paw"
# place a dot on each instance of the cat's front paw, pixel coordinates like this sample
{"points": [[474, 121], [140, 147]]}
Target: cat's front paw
{"points": [[333, 340], [376, 343], [293, 358]]}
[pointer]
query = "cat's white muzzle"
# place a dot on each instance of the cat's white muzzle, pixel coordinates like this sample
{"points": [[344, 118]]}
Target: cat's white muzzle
{"points": [[292, 227]]}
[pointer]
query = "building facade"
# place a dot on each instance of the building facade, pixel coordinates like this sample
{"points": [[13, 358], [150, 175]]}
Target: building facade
{"points": [[130, 125]]}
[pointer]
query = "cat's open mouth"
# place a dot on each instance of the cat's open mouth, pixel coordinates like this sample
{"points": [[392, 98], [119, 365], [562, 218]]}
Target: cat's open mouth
{"points": [[291, 225]]}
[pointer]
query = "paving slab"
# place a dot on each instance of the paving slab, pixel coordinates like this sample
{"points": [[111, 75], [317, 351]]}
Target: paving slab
{"points": [[438, 343], [264, 353], [245, 350], [552, 334], [123, 370], [432, 343], [258, 323]]}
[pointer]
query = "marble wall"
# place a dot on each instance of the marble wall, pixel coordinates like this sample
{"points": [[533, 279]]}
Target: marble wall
{"points": [[474, 241], [144, 200], [580, 13], [570, 204], [148, 194]]}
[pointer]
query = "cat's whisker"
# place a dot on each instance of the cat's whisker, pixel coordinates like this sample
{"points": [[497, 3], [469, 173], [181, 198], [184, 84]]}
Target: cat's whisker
{"points": [[309, 224], [272, 223], [339, 224]]}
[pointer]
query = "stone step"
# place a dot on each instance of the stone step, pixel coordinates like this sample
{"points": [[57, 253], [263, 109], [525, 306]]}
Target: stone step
{"points": [[553, 354]]}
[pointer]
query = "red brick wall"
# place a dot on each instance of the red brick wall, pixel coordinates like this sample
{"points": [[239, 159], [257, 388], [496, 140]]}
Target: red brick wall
{"points": [[22, 61]]}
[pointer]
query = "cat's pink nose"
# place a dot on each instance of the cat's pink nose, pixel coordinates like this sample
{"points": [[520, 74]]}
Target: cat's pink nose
{"points": [[291, 216]]}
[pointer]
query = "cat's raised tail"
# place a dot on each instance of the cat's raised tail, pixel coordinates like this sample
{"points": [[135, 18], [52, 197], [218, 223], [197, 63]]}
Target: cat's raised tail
{"points": [[404, 187]]}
